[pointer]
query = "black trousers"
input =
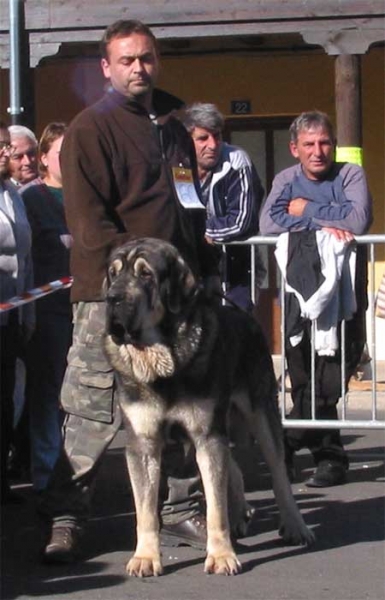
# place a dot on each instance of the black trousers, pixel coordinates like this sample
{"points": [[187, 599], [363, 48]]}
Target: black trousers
{"points": [[9, 340], [324, 444]]}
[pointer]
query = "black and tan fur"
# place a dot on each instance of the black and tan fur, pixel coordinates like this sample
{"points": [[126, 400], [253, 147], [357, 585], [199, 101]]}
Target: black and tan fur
{"points": [[181, 358]]}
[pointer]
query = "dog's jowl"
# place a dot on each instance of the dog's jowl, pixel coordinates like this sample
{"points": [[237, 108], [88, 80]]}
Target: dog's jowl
{"points": [[163, 334]]}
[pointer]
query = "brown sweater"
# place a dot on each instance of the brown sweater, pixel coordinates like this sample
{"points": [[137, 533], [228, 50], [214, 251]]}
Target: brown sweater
{"points": [[117, 183]]}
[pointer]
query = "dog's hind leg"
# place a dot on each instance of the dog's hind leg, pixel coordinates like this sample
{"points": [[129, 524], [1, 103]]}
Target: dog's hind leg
{"points": [[265, 425], [212, 458]]}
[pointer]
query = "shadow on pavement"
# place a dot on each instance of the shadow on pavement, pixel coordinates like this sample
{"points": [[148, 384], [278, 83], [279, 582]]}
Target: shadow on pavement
{"points": [[111, 529]]}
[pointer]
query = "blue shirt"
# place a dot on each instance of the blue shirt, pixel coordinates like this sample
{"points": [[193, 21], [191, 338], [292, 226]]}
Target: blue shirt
{"points": [[341, 200]]}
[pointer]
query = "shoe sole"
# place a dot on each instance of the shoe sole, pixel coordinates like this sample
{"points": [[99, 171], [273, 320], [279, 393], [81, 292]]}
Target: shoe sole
{"points": [[176, 541], [324, 484], [59, 559]]}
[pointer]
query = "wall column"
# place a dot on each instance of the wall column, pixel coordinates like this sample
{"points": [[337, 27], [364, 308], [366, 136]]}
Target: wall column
{"points": [[348, 108], [347, 45]]}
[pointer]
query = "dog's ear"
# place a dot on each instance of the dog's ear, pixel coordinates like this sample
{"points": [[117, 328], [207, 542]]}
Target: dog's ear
{"points": [[105, 286], [181, 286]]}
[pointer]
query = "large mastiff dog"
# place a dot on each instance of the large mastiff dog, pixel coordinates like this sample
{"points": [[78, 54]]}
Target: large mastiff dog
{"points": [[182, 358]]}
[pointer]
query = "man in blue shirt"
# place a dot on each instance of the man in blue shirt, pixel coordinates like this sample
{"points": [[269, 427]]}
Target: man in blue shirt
{"points": [[319, 194]]}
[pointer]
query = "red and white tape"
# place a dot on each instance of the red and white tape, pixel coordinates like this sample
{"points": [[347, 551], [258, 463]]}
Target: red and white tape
{"points": [[35, 293]]}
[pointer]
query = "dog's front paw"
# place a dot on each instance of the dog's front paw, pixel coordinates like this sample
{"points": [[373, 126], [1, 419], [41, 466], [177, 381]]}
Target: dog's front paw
{"points": [[140, 566], [297, 534], [226, 564]]}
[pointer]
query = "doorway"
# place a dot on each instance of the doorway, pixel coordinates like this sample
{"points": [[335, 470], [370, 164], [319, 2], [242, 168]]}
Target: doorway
{"points": [[266, 140]]}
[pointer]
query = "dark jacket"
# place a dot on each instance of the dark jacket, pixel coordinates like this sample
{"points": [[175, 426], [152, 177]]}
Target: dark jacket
{"points": [[235, 197], [117, 182], [49, 255]]}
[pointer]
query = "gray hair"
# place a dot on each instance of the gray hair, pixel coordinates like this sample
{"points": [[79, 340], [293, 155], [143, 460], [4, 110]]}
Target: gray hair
{"points": [[203, 115], [17, 131], [310, 120]]}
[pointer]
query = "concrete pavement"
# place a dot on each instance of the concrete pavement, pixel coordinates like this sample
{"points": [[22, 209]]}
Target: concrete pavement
{"points": [[346, 563]]}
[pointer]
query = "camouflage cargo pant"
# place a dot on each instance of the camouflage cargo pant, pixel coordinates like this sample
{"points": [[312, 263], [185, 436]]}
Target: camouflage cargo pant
{"points": [[90, 397]]}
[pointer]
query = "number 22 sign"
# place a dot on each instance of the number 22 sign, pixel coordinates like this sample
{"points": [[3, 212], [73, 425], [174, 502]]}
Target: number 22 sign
{"points": [[240, 107]]}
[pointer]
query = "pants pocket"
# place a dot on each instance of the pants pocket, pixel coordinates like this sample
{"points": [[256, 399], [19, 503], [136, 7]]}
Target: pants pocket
{"points": [[88, 386]]}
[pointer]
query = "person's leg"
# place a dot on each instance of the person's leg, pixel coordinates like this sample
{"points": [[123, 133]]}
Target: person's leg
{"points": [[88, 396], [298, 366], [46, 360], [8, 354], [66, 499], [65, 503], [19, 465], [181, 498], [324, 444], [238, 276], [241, 296]]}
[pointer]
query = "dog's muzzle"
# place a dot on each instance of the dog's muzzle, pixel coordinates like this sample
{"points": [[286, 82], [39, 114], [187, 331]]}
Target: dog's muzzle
{"points": [[120, 318]]}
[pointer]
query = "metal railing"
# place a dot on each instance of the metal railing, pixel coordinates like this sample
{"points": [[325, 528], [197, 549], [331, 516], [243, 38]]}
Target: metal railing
{"points": [[344, 422]]}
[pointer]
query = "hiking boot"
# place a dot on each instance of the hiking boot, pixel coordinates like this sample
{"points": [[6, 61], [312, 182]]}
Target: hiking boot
{"points": [[63, 547], [327, 474], [190, 532]]}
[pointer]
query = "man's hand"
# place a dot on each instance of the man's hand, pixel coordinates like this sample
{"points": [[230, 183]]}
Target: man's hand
{"points": [[340, 234], [209, 240], [297, 206]]}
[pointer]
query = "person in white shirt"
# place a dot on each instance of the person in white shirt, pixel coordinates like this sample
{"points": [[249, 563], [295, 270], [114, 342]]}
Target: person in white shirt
{"points": [[23, 163], [16, 276]]}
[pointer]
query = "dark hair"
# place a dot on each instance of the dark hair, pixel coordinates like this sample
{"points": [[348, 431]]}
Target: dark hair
{"points": [[51, 133], [310, 120], [203, 115], [121, 29]]}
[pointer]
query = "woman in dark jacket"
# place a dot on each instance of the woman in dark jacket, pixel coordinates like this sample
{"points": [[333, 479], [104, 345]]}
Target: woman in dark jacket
{"points": [[47, 350]]}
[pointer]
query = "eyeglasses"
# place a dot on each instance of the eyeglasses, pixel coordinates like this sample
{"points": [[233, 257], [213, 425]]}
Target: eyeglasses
{"points": [[5, 146], [29, 154]]}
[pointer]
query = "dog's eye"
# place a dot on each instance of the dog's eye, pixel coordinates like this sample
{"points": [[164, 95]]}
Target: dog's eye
{"points": [[114, 268], [145, 274], [112, 273], [142, 270]]}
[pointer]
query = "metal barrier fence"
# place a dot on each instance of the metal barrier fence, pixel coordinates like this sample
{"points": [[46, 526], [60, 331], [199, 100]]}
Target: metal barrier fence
{"points": [[373, 421]]}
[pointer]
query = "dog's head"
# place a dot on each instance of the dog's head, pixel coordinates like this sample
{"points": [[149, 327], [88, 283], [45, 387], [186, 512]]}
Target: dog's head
{"points": [[147, 281]]}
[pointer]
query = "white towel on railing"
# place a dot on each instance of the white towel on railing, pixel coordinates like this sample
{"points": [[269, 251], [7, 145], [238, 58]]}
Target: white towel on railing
{"points": [[334, 300]]}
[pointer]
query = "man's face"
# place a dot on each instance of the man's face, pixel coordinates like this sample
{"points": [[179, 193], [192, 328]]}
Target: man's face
{"points": [[314, 149], [5, 151], [207, 148], [23, 163], [132, 66]]}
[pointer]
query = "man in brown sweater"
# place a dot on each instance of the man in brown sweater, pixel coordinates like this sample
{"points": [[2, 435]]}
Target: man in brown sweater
{"points": [[117, 160]]}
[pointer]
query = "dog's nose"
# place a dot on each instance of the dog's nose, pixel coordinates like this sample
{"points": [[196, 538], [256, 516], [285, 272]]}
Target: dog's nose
{"points": [[115, 296]]}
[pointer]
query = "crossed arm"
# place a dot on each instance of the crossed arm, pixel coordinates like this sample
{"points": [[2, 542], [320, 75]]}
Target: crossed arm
{"points": [[296, 208], [348, 210]]}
